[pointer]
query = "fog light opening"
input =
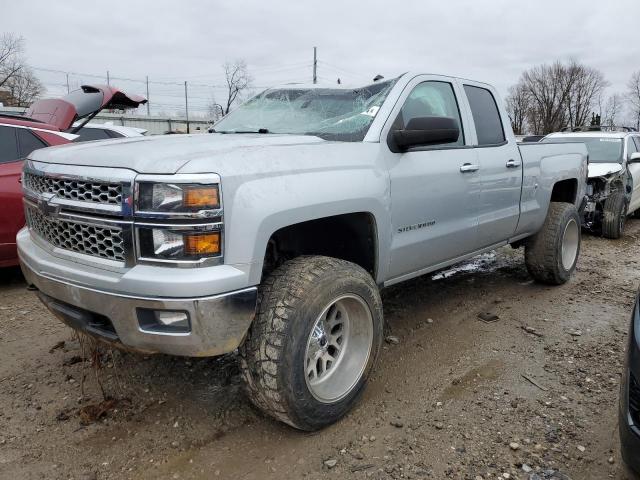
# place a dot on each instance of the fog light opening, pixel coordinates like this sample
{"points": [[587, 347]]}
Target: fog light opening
{"points": [[164, 321]]}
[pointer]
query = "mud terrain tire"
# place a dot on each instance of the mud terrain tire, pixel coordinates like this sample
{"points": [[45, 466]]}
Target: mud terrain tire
{"points": [[552, 253], [294, 316], [614, 216]]}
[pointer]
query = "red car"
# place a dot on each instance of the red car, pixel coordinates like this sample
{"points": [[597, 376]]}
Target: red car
{"points": [[46, 123]]}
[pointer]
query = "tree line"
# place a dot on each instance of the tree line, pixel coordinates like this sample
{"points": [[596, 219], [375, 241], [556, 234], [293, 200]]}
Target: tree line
{"points": [[548, 98]]}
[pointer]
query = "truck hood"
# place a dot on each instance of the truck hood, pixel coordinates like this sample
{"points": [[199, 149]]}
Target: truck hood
{"points": [[603, 169], [201, 153]]}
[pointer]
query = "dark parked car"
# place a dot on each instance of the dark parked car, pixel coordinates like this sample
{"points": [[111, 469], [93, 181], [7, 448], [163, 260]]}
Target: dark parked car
{"points": [[629, 421]]}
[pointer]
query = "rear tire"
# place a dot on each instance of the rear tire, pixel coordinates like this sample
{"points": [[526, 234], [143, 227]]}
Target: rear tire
{"points": [[614, 216], [552, 253], [314, 341]]}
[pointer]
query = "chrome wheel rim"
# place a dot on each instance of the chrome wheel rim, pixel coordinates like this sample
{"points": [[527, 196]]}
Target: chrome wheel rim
{"points": [[570, 241], [338, 348]]}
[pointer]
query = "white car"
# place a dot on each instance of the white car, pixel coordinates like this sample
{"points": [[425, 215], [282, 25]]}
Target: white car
{"points": [[105, 131], [614, 177]]}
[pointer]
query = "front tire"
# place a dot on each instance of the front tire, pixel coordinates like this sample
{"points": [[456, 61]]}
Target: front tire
{"points": [[552, 253], [314, 341], [614, 215]]}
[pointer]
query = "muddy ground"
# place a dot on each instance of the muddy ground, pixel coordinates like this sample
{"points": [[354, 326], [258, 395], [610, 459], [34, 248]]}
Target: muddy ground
{"points": [[532, 395]]}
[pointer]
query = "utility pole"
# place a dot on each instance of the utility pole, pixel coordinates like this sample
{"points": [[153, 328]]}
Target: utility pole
{"points": [[186, 104], [315, 64], [148, 105], [108, 80], [68, 83]]}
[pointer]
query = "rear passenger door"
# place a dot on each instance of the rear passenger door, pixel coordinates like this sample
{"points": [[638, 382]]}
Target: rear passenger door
{"points": [[15, 145], [11, 216], [500, 167]]}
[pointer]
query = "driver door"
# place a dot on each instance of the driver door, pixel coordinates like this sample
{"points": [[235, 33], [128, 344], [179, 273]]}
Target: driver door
{"points": [[435, 189]]}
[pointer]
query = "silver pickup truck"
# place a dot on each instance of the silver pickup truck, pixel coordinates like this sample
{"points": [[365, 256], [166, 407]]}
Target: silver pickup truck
{"points": [[274, 234]]}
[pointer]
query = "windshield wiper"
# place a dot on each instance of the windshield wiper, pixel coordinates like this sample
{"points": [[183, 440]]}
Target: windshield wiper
{"points": [[260, 130]]}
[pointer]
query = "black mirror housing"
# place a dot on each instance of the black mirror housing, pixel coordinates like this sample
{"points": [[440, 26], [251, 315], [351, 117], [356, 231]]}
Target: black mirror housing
{"points": [[426, 131]]}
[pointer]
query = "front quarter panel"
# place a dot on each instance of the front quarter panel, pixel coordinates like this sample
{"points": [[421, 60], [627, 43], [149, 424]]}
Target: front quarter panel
{"points": [[269, 189]]}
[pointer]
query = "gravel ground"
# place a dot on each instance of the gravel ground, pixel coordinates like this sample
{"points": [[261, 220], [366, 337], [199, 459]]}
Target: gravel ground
{"points": [[532, 395]]}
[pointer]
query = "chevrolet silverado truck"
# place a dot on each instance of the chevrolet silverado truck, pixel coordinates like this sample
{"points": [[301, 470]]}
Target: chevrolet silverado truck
{"points": [[274, 234]]}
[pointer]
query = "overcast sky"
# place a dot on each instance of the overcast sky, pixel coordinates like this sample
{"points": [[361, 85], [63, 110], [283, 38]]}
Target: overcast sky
{"points": [[174, 41]]}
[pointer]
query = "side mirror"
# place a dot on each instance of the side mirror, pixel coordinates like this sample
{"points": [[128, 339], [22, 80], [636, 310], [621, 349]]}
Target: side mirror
{"points": [[425, 131], [634, 158]]}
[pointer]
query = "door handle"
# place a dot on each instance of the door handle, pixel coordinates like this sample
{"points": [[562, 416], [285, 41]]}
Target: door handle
{"points": [[469, 167], [512, 164]]}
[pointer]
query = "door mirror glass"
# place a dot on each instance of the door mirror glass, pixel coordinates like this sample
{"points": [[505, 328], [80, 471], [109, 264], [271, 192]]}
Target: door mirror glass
{"points": [[634, 158], [425, 131]]}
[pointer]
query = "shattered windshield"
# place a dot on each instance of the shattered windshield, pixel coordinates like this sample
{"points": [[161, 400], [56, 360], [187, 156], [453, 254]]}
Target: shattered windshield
{"points": [[600, 149], [331, 113]]}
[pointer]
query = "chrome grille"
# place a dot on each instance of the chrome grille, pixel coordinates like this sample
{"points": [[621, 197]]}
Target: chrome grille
{"points": [[98, 241], [84, 191]]}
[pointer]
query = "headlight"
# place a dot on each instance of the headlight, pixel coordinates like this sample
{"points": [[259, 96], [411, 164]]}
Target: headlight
{"points": [[183, 244], [178, 219], [177, 197]]}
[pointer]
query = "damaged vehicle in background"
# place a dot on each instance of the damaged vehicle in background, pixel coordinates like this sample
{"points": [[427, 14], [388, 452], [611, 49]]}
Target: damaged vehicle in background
{"points": [[614, 176], [48, 122]]}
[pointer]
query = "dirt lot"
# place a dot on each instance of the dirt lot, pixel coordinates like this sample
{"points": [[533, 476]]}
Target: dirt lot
{"points": [[453, 397]]}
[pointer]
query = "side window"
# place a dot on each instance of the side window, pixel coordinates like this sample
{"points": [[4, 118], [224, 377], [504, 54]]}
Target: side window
{"points": [[8, 145], [485, 115], [637, 140], [88, 134], [431, 99], [28, 142]]}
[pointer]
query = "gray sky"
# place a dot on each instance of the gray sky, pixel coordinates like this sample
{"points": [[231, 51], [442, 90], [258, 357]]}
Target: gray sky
{"points": [[174, 41]]}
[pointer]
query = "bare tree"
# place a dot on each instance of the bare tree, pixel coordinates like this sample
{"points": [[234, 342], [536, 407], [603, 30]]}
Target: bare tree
{"points": [[238, 80], [610, 110], [585, 86], [633, 95], [24, 88], [556, 96], [518, 104], [215, 110], [549, 90], [11, 60]]}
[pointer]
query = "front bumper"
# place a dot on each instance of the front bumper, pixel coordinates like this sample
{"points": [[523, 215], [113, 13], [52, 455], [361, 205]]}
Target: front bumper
{"points": [[629, 413], [218, 323]]}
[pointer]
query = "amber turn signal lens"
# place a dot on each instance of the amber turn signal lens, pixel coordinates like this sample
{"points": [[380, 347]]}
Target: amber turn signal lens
{"points": [[201, 197], [202, 244]]}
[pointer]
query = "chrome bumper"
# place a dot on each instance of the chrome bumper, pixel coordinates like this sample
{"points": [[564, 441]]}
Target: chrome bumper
{"points": [[218, 323]]}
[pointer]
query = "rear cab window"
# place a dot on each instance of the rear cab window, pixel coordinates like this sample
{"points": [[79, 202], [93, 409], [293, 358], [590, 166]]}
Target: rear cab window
{"points": [[486, 116]]}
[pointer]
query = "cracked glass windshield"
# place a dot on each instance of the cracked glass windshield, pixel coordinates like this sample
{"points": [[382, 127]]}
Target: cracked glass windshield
{"points": [[340, 114]]}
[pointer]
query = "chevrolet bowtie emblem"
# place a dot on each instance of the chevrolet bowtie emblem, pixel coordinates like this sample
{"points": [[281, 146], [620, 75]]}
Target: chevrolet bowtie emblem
{"points": [[47, 206]]}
